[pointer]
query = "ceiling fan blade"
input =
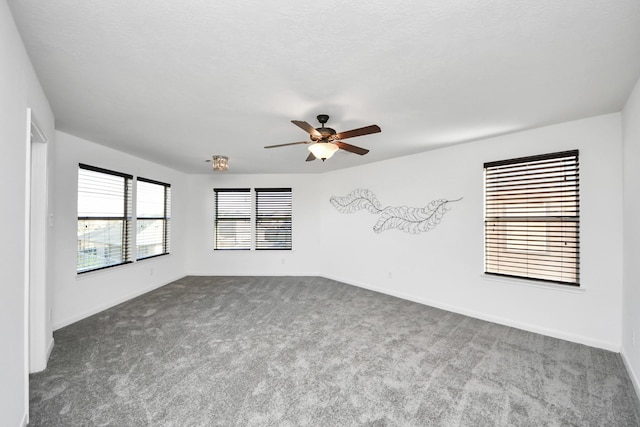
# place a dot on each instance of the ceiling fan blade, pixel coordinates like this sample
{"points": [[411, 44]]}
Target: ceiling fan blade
{"points": [[310, 157], [290, 143], [351, 148], [359, 132], [306, 127]]}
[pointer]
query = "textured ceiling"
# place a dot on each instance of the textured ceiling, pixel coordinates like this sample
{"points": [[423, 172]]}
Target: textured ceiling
{"points": [[178, 81]]}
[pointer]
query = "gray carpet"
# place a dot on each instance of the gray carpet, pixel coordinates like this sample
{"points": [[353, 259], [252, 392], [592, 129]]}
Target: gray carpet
{"points": [[297, 351]]}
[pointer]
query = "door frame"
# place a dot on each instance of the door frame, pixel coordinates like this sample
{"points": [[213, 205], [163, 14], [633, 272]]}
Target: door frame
{"points": [[40, 341]]}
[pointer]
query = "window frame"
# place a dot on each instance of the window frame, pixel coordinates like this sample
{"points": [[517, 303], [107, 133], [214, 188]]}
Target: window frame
{"points": [[533, 204], [126, 217], [165, 218], [269, 213], [219, 219]]}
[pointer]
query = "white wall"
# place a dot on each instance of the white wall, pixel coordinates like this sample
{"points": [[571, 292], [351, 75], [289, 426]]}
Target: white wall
{"points": [[444, 267], [631, 300], [300, 261], [19, 90], [78, 296]]}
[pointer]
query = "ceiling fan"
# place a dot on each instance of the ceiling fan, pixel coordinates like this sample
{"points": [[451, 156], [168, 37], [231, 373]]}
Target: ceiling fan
{"points": [[325, 141]]}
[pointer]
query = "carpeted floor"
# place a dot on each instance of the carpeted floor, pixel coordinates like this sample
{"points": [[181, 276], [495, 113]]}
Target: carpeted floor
{"points": [[296, 351]]}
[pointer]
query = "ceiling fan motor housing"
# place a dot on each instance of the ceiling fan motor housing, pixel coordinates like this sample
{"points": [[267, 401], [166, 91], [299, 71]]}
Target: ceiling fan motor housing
{"points": [[327, 134]]}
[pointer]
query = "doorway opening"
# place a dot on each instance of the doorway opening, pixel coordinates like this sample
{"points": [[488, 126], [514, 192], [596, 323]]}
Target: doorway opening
{"points": [[40, 336]]}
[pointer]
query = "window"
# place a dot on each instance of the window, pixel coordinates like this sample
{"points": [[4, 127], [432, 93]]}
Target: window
{"points": [[153, 200], [104, 218], [532, 218], [273, 218], [232, 218]]}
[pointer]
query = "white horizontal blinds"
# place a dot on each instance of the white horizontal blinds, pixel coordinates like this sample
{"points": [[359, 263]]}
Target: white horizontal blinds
{"points": [[273, 218], [232, 218], [104, 218], [153, 199], [532, 217]]}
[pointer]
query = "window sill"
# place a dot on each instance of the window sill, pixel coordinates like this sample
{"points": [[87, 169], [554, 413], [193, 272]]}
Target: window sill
{"points": [[252, 250], [91, 273], [152, 257], [534, 284]]}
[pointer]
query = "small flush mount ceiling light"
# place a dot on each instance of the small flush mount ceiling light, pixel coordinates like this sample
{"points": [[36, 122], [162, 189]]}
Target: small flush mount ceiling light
{"points": [[220, 163], [323, 150]]}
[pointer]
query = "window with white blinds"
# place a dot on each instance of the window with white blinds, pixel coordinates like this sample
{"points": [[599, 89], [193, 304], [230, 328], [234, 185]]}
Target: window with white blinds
{"points": [[232, 218], [104, 218], [532, 218], [273, 218], [153, 204]]}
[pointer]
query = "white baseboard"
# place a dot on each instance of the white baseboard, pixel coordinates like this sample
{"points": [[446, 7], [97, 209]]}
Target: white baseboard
{"points": [[490, 318], [98, 309], [630, 371], [50, 348], [253, 274], [25, 419], [41, 367]]}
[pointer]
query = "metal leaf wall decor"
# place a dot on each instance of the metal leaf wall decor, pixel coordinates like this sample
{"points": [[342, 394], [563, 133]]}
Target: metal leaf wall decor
{"points": [[407, 219]]}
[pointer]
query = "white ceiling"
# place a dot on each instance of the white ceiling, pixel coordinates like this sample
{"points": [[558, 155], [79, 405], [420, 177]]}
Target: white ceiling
{"points": [[178, 81]]}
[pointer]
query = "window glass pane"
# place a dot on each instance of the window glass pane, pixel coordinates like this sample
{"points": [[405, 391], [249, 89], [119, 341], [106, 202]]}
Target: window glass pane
{"points": [[233, 234], [150, 237], [150, 199], [100, 244], [100, 194]]}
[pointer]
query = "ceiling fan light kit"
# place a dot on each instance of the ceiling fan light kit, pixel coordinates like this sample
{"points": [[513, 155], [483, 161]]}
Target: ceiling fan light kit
{"points": [[220, 163], [325, 141], [323, 150]]}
